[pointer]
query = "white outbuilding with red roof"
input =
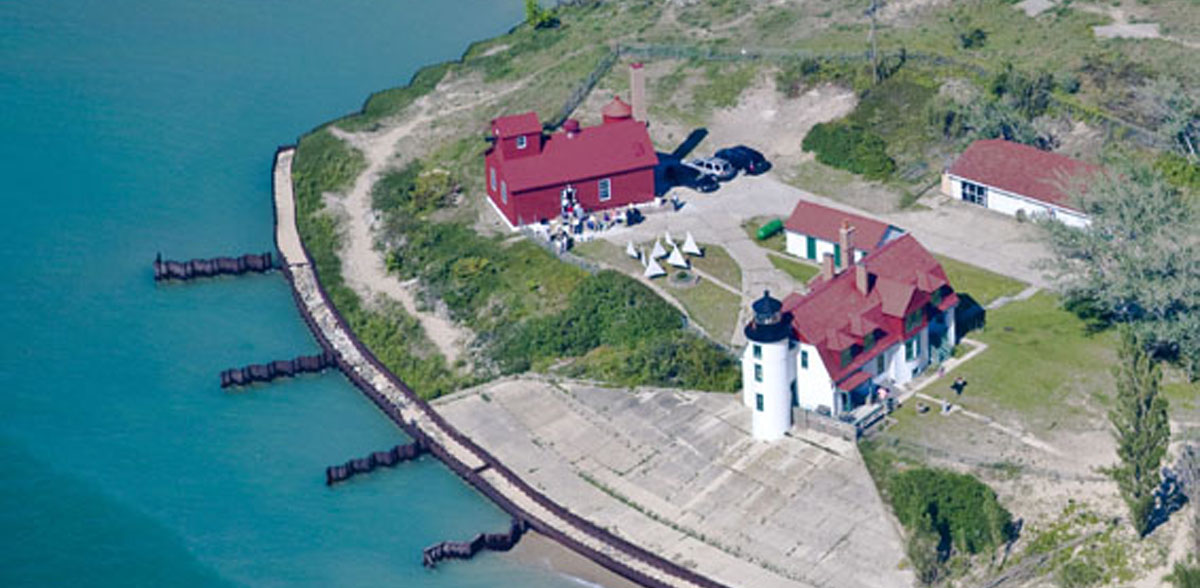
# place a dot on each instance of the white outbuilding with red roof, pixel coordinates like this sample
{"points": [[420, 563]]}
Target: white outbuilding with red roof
{"points": [[1017, 180]]}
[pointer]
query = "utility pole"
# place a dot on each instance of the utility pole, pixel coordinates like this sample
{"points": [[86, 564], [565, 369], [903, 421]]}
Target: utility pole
{"points": [[874, 54]]}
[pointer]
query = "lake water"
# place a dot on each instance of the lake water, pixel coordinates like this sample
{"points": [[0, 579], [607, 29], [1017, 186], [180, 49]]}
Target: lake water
{"points": [[136, 126]]}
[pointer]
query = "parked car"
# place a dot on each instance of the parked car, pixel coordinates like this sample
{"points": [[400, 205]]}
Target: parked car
{"points": [[714, 166], [690, 177], [745, 159]]}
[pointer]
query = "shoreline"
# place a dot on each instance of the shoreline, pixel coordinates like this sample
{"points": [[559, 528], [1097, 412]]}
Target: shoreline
{"points": [[539, 551], [472, 463]]}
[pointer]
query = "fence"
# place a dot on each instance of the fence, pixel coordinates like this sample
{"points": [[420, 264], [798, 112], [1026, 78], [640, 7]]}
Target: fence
{"points": [[583, 89]]}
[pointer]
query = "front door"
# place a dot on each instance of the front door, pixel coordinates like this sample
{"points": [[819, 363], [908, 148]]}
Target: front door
{"points": [[811, 253]]}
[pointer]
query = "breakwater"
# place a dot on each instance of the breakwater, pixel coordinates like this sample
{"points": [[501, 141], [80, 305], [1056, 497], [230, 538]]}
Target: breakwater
{"points": [[283, 368], [208, 268], [437, 552], [364, 465], [463, 456]]}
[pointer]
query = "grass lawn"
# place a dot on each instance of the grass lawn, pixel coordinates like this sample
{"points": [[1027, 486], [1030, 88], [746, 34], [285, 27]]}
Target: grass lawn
{"points": [[982, 285], [800, 271], [1042, 368], [711, 306], [717, 263], [776, 242]]}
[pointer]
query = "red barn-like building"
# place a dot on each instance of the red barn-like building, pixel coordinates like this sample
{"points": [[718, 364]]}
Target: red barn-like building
{"points": [[531, 176]]}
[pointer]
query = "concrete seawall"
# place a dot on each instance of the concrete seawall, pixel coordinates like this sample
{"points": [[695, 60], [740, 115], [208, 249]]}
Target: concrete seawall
{"points": [[471, 462]]}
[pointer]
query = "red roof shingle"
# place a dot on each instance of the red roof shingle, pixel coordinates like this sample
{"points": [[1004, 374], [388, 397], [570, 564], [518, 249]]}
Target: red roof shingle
{"points": [[1021, 169], [593, 152], [834, 314], [517, 124], [823, 222]]}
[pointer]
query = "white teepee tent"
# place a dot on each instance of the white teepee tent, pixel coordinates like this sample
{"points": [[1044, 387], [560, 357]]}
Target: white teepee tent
{"points": [[677, 259], [670, 241], [690, 247], [630, 251], [658, 252], [653, 270]]}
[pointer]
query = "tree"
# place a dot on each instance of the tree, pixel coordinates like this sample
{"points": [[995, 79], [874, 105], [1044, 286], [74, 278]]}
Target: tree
{"points": [[1185, 576], [1139, 420], [924, 553], [1189, 478], [1137, 263], [1174, 111], [538, 17]]}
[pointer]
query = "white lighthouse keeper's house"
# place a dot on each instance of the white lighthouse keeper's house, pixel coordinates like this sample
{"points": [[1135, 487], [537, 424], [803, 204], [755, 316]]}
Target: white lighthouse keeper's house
{"points": [[769, 369]]}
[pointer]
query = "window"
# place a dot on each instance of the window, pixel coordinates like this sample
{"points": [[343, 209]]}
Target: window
{"points": [[912, 320], [503, 192], [974, 193], [810, 247], [757, 372], [847, 355], [492, 173], [910, 348], [522, 142], [879, 366], [605, 189], [758, 402], [936, 297], [757, 351], [803, 359], [868, 341], [795, 396]]}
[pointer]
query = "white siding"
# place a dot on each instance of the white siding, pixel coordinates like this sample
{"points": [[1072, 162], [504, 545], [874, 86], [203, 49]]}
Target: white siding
{"points": [[797, 244], [813, 386], [778, 367], [1009, 203]]}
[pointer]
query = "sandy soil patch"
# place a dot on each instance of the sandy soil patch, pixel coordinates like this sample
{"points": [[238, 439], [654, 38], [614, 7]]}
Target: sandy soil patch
{"points": [[774, 124]]}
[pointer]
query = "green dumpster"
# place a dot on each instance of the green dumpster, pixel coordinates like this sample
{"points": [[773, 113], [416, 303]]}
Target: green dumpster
{"points": [[765, 231]]}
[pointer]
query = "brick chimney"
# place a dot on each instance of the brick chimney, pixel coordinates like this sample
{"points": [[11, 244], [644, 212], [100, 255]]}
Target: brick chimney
{"points": [[637, 91], [827, 271], [862, 280], [846, 237]]}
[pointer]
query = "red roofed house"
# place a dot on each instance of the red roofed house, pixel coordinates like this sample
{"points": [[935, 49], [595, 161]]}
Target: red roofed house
{"points": [[878, 323], [532, 176], [812, 231], [1016, 179]]}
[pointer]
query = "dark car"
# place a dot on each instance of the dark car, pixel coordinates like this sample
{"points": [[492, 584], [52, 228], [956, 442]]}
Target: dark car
{"points": [[745, 159], [682, 175]]}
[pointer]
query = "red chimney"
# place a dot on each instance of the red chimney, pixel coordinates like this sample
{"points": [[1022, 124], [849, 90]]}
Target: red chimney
{"points": [[571, 126]]}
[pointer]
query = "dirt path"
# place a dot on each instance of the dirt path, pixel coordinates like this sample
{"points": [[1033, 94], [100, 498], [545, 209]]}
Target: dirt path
{"points": [[362, 263]]}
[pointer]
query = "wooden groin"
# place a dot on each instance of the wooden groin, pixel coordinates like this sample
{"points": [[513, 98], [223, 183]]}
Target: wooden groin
{"points": [[397, 455], [416, 417], [208, 268], [283, 368], [437, 552]]}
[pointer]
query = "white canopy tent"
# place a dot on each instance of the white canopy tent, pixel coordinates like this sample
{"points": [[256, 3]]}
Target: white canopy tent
{"points": [[677, 259], [690, 247], [658, 252], [653, 270]]}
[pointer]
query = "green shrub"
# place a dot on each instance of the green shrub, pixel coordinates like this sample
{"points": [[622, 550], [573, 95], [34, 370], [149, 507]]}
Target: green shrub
{"points": [[962, 510], [1180, 172], [1185, 576], [852, 147]]}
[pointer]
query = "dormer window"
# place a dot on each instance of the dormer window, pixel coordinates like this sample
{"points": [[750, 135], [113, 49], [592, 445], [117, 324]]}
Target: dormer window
{"points": [[522, 142], [868, 341], [912, 320], [847, 355]]}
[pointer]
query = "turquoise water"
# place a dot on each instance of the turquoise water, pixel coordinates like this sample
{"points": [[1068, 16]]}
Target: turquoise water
{"points": [[135, 126]]}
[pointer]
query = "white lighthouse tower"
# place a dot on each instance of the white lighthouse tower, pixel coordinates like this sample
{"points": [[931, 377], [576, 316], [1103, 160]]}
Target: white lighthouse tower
{"points": [[769, 369]]}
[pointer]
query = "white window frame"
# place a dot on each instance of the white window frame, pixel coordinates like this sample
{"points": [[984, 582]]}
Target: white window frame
{"points": [[492, 171], [974, 193], [758, 372], [522, 142], [604, 189], [503, 191]]}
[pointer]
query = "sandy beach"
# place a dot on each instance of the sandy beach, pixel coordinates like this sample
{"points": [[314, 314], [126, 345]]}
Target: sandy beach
{"points": [[540, 551]]}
